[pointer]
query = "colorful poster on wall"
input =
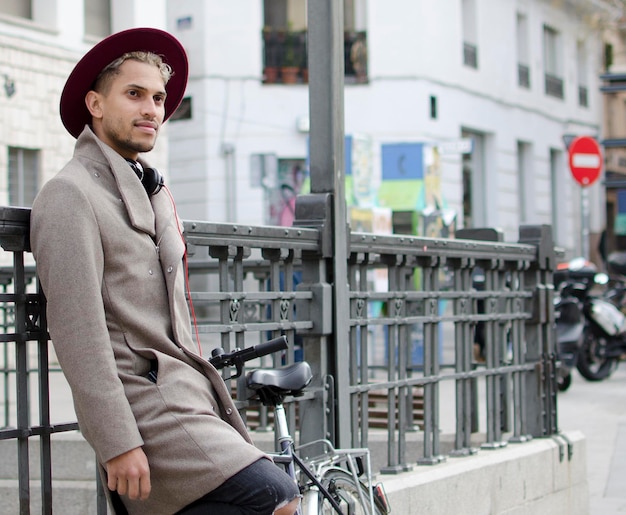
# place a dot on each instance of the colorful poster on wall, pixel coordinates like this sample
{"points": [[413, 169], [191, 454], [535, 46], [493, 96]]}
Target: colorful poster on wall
{"points": [[291, 180], [382, 223], [402, 187], [361, 219], [361, 147], [432, 178], [364, 183]]}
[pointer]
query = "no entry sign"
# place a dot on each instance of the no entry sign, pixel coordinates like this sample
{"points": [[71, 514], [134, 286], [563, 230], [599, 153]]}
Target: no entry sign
{"points": [[585, 160]]}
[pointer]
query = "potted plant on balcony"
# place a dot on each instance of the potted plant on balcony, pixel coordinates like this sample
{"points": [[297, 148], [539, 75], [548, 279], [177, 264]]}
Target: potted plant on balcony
{"points": [[270, 74], [358, 58], [305, 59], [289, 70], [271, 55]]}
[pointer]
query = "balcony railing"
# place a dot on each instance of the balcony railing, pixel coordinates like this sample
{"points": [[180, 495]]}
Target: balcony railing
{"points": [[285, 57], [470, 55], [523, 75], [554, 86], [583, 98]]}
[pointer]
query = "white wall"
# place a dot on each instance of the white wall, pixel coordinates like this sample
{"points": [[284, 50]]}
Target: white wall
{"points": [[415, 50]]}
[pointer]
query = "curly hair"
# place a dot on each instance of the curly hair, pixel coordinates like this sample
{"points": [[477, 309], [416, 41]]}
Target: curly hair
{"points": [[103, 81]]}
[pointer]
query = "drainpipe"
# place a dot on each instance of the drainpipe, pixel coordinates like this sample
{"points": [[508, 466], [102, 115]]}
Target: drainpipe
{"points": [[230, 181]]}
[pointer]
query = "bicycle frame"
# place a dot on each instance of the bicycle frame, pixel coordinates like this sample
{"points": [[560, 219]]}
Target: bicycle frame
{"points": [[332, 459], [337, 466], [316, 467]]}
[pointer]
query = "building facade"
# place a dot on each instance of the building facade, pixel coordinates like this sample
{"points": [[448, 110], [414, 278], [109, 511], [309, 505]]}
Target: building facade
{"points": [[457, 112], [40, 42], [485, 93], [614, 134]]}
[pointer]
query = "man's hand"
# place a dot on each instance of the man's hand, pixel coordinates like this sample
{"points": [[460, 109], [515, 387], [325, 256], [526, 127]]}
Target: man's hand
{"points": [[129, 474]]}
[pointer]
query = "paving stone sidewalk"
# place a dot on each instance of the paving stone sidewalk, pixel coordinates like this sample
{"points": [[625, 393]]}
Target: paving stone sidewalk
{"points": [[598, 410]]}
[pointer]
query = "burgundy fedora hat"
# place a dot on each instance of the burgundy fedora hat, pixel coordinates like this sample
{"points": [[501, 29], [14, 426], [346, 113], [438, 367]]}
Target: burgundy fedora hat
{"points": [[74, 112]]}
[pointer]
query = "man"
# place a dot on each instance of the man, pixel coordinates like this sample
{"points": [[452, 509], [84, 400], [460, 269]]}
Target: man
{"points": [[109, 253]]}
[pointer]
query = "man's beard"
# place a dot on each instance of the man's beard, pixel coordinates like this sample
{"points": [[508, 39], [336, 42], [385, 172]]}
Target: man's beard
{"points": [[125, 140], [135, 146], [132, 145]]}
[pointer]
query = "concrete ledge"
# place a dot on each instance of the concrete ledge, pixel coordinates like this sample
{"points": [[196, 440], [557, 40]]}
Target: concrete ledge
{"points": [[519, 479]]}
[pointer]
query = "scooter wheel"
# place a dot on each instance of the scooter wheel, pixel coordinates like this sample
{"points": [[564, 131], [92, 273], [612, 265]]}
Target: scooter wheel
{"points": [[593, 363], [563, 382]]}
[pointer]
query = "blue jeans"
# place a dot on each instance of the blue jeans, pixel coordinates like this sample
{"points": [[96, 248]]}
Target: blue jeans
{"points": [[259, 489]]}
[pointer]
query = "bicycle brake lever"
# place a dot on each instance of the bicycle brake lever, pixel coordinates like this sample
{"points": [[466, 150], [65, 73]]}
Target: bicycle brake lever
{"points": [[238, 364]]}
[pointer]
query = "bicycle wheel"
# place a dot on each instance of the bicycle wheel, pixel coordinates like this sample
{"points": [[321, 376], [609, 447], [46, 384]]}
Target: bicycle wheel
{"points": [[352, 497]]}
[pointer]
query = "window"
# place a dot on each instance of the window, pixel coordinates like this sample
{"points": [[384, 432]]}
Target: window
{"points": [[433, 107], [608, 57], [23, 176], [523, 60], [581, 68], [470, 48], [552, 62], [285, 36], [474, 183], [98, 17], [19, 8], [184, 111]]}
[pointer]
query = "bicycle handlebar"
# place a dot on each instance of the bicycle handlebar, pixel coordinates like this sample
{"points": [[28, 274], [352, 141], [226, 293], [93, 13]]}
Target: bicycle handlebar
{"points": [[236, 358]]}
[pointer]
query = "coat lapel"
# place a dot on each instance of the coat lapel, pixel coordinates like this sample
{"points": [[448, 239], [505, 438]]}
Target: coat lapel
{"points": [[130, 189]]}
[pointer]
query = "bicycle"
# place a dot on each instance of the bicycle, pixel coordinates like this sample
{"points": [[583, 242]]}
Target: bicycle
{"points": [[329, 481]]}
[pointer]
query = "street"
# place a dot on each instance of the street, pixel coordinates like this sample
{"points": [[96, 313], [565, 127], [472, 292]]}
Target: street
{"points": [[598, 410]]}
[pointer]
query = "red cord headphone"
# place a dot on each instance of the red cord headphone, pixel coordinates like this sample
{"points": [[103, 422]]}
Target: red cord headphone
{"points": [[186, 264]]}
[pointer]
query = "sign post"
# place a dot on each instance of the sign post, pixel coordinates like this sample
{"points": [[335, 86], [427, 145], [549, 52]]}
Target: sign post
{"points": [[585, 163]]}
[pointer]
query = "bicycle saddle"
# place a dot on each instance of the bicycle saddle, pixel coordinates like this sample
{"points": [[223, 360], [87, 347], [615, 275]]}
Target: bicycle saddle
{"points": [[291, 379]]}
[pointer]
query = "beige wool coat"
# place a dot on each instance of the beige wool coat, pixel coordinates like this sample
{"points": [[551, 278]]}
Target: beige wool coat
{"points": [[110, 261]]}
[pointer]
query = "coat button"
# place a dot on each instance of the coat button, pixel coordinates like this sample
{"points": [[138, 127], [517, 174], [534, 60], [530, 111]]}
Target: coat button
{"points": [[229, 411], [96, 174], [150, 272], [170, 268]]}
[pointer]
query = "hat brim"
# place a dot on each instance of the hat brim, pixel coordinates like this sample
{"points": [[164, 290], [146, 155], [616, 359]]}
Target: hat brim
{"points": [[74, 112]]}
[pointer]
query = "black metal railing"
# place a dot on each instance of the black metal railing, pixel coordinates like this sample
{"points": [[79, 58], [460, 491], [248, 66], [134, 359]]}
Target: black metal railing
{"points": [[470, 55], [523, 75], [414, 312], [583, 96], [554, 86]]}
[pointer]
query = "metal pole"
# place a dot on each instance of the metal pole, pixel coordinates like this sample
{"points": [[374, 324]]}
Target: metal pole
{"points": [[326, 114], [326, 81], [22, 382], [584, 213]]}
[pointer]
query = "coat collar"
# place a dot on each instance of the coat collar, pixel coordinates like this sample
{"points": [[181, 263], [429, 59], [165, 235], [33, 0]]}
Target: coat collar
{"points": [[131, 191]]}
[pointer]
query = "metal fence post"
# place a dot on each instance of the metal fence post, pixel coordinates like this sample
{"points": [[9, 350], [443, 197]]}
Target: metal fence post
{"points": [[493, 341], [326, 81], [540, 384], [465, 388]]}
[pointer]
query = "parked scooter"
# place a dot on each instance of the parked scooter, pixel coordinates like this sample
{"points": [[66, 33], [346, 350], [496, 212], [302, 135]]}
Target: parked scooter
{"points": [[616, 293], [570, 325], [604, 334]]}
